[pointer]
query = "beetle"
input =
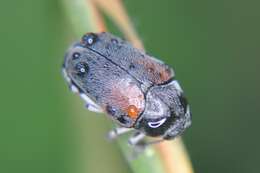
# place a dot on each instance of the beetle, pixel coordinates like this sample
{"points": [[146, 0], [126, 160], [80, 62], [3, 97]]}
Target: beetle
{"points": [[136, 90]]}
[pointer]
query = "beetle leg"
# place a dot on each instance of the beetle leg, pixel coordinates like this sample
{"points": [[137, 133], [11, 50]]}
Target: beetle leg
{"points": [[91, 105], [136, 138], [94, 108], [113, 134], [138, 143]]}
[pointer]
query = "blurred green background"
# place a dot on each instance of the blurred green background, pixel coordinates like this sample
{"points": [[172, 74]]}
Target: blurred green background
{"points": [[212, 45]]}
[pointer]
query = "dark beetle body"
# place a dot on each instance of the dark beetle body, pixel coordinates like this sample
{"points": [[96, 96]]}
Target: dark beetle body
{"points": [[135, 89]]}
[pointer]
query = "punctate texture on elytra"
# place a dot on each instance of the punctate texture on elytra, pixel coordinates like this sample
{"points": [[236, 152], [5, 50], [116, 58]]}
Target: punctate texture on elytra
{"points": [[135, 89]]}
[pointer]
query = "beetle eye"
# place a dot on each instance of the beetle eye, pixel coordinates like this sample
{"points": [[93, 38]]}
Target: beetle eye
{"points": [[81, 68], [89, 39], [156, 124]]}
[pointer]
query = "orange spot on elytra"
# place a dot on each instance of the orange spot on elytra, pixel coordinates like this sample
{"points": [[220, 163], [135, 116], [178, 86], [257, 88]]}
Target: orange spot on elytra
{"points": [[132, 111]]}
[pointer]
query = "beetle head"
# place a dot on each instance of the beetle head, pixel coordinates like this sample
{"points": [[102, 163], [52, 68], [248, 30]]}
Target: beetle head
{"points": [[166, 112]]}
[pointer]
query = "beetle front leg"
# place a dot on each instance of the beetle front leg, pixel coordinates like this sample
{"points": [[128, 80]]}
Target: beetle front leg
{"points": [[136, 138], [114, 133]]}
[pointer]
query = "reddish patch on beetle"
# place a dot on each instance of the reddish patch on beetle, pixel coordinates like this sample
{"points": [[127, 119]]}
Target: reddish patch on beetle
{"points": [[157, 73], [128, 97]]}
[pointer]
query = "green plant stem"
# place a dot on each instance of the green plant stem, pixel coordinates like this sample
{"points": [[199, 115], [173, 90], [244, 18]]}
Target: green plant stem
{"points": [[78, 13]]}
